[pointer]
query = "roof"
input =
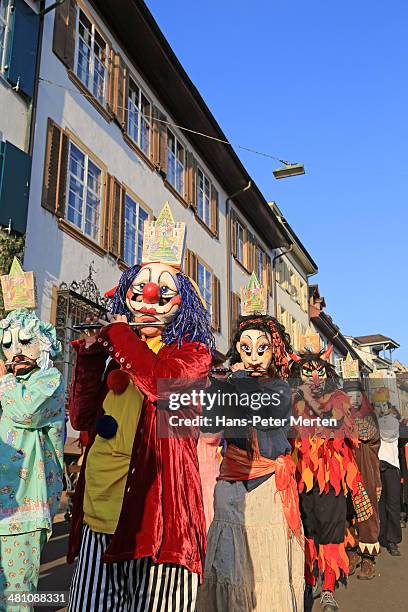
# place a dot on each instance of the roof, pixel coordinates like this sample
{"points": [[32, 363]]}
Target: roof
{"points": [[325, 324], [135, 28], [298, 249], [314, 292], [376, 339]]}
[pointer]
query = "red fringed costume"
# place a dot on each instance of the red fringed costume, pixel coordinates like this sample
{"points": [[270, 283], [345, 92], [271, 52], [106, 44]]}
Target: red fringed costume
{"points": [[326, 472]]}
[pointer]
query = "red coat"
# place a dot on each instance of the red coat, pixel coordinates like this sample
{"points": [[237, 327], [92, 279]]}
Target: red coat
{"points": [[162, 513]]}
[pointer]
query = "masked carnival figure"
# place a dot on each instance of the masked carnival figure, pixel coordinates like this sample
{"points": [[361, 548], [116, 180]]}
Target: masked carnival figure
{"points": [[366, 525], [390, 500], [323, 445], [138, 520], [31, 438], [254, 556]]}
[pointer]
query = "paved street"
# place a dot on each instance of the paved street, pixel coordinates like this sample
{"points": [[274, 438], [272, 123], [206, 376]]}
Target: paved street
{"points": [[388, 591]]}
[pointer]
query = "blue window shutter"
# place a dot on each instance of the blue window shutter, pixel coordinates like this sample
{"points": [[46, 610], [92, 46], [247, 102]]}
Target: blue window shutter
{"points": [[23, 47], [15, 170]]}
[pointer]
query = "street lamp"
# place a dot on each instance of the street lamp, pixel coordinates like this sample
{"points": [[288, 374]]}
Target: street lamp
{"points": [[288, 170]]}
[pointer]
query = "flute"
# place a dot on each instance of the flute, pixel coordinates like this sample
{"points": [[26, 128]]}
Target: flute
{"points": [[226, 371], [84, 326], [8, 364]]}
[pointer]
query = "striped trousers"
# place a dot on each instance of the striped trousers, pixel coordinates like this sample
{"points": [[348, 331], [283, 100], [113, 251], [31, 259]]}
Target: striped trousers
{"points": [[138, 585]]}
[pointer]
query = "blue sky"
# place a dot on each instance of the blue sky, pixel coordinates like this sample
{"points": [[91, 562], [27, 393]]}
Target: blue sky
{"points": [[324, 83]]}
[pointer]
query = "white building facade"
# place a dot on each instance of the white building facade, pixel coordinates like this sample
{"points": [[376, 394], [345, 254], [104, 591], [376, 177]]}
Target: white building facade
{"points": [[108, 154]]}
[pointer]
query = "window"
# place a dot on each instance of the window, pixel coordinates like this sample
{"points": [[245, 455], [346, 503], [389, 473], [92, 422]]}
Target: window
{"points": [[204, 284], [303, 295], [240, 242], [139, 117], [175, 162], [5, 12], [84, 193], [259, 265], [135, 217], [203, 197], [292, 284], [91, 58]]}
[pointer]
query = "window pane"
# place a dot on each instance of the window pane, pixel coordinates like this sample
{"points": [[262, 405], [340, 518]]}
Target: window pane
{"points": [[133, 120], [130, 231], [99, 80], [204, 284], [240, 243], [207, 210], [75, 186], [144, 136], [179, 177], [171, 141], [92, 215], [93, 200], [260, 266], [84, 49], [203, 195], [83, 65], [143, 216], [200, 204], [171, 158]]}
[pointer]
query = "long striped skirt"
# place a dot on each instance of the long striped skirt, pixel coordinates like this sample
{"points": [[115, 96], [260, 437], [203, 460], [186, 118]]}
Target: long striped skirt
{"points": [[138, 585]]}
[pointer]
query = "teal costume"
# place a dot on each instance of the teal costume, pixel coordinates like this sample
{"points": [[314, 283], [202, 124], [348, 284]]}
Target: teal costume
{"points": [[31, 459]]}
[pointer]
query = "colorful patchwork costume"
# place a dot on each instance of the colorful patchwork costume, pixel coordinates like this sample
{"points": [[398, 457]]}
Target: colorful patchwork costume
{"points": [[31, 449], [364, 513]]}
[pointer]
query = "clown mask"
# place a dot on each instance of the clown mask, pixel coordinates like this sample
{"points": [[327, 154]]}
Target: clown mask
{"points": [[255, 349], [154, 298], [21, 348]]}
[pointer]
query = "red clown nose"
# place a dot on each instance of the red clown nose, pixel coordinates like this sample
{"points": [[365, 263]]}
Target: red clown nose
{"points": [[151, 293]]}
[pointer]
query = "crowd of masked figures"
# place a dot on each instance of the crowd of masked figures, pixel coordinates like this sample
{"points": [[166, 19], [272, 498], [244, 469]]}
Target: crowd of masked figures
{"points": [[290, 483]]}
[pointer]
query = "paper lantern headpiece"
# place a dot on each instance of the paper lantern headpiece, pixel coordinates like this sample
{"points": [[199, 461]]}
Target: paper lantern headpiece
{"points": [[18, 288], [254, 297], [350, 368], [163, 240], [380, 395]]}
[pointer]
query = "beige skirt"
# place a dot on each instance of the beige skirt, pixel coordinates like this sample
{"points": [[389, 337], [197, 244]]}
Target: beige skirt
{"points": [[251, 563]]}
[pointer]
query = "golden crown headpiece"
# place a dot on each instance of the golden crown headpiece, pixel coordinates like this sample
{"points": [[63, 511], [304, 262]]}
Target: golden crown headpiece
{"points": [[350, 367], [380, 394], [163, 239], [18, 288], [254, 297]]}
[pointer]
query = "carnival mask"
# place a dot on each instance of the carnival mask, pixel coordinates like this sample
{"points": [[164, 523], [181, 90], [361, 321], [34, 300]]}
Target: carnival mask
{"points": [[255, 349], [26, 342], [21, 349], [313, 371], [154, 297], [356, 398]]}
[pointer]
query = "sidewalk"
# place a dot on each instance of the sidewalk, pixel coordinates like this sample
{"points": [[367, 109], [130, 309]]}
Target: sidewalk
{"points": [[387, 591]]}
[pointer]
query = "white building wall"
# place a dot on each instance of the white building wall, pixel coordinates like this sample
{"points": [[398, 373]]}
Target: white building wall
{"points": [[288, 302], [54, 255]]}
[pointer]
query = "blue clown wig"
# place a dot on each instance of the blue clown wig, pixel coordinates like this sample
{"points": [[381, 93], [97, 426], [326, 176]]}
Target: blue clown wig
{"points": [[192, 322]]}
